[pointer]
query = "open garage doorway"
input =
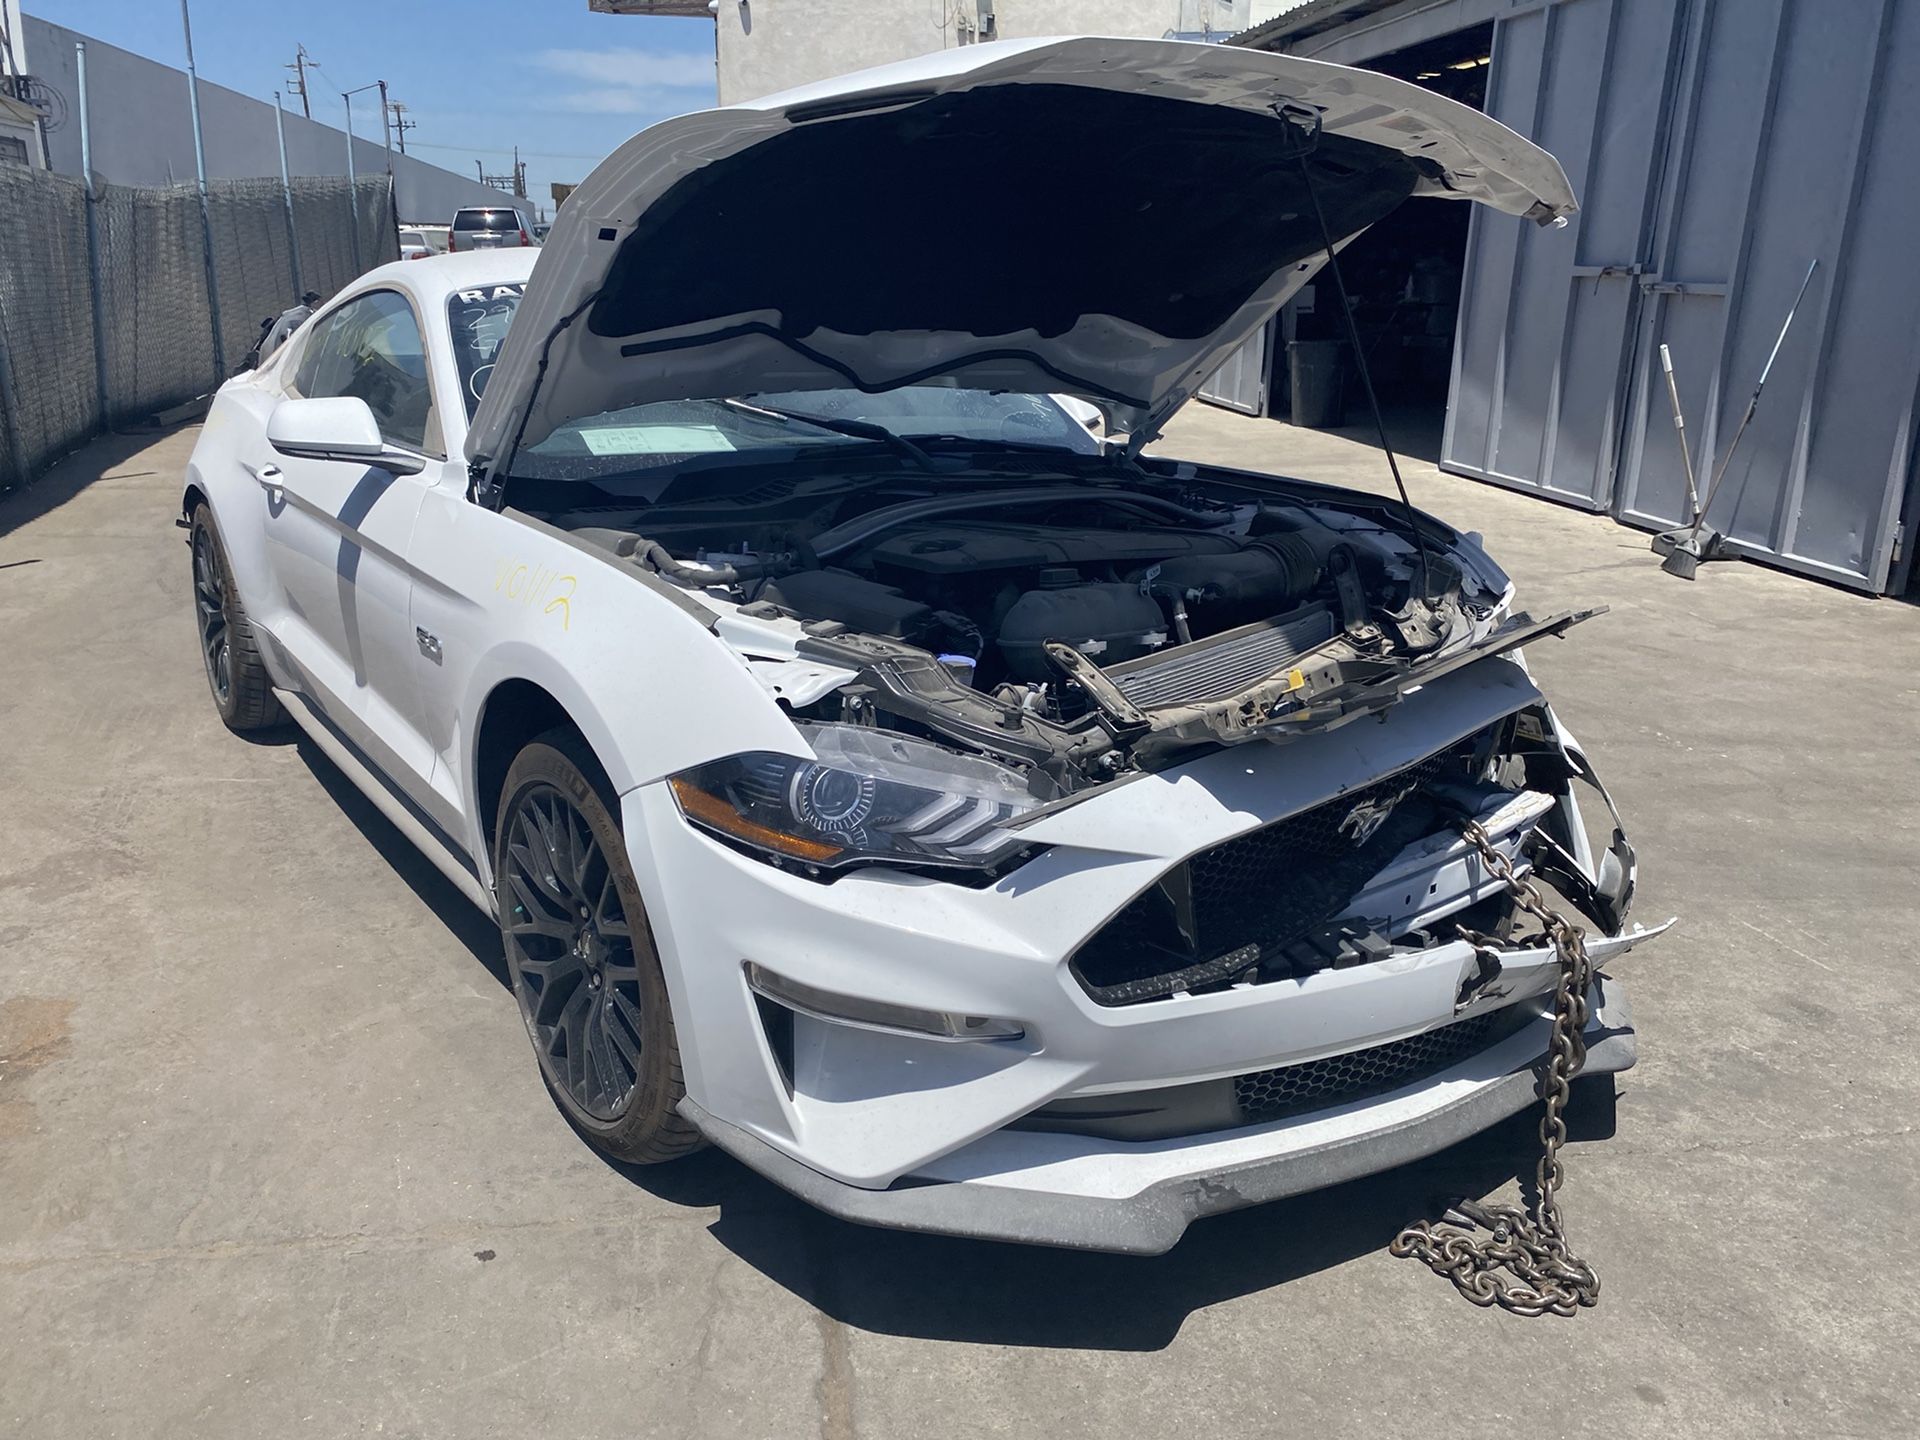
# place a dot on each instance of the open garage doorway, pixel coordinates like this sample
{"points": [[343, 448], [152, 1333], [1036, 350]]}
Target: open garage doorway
{"points": [[1403, 276]]}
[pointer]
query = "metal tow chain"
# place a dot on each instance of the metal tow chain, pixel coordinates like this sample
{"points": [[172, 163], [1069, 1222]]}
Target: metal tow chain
{"points": [[1541, 1274]]}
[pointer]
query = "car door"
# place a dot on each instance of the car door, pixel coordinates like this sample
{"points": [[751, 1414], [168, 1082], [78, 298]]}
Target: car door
{"points": [[337, 534]]}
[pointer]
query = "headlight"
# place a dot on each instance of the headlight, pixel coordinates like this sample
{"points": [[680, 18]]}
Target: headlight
{"points": [[867, 795]]}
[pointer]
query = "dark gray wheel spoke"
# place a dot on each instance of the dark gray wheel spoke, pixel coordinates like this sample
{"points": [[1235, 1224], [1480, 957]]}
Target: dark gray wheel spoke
{"points": [[608, 913], [619, 969], [624, 1040], [628, 1008], [570, 949], [572, 1028], [531, 849], [530, 922], [606, 1068], [540, 910], [210, 605]]}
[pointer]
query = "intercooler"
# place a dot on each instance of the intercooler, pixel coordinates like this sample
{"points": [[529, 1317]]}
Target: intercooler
{"points": [[1222, 664]]}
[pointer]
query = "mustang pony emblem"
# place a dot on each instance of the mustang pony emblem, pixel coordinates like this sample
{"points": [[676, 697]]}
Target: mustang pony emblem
{"points": [[1369, 815]]}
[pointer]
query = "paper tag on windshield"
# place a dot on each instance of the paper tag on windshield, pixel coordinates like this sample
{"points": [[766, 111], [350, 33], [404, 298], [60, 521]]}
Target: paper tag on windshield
{"points": [[654, 439]]}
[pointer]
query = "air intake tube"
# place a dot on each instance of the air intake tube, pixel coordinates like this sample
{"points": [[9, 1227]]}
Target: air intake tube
{"points": [[1259, 580]]}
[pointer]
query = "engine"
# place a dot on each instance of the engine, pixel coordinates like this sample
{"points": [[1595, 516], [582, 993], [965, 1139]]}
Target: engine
{"points": [[988, 596], [1042, 625]]}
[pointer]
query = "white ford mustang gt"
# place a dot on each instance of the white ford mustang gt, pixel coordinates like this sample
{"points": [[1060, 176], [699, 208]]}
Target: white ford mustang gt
{"points": [[952, 815]]}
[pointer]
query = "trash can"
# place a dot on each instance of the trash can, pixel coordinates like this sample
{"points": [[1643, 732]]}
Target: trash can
{"points": [[1317, 378]]}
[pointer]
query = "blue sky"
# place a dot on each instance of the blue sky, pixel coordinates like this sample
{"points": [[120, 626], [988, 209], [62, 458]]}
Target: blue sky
{"points": [[480, 76]]}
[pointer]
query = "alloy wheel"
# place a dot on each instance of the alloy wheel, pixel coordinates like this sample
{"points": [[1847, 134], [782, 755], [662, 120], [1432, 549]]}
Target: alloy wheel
{"points": [[210, 604], [570, 950]]}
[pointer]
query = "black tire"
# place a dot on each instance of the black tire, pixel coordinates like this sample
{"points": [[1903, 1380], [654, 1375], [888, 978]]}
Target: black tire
{"points": [[237, 676], [581, 956]]}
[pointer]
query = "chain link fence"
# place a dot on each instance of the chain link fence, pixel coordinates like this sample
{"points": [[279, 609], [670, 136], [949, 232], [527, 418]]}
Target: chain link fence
{"points": [[155, 345]]}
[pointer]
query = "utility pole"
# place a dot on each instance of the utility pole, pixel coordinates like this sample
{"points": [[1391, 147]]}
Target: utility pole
{"points": [[301, 60], [514, 182], [401, 124], [206, 214], [286, 191]]}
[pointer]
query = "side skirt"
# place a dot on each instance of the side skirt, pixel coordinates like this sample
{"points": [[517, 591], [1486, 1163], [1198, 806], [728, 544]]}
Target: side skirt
{"points": [[449, 861]]}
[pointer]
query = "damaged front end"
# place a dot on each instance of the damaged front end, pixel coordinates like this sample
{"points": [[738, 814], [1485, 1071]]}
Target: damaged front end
{"points": [[969, 674], [1383, 870]]}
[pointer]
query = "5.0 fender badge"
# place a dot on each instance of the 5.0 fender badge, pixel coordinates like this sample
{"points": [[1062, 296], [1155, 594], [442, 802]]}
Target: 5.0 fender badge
{"points": [[1369, 815]]}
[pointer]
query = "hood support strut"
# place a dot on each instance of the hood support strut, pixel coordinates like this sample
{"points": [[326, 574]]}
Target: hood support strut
{"points": [[1292, 114]]}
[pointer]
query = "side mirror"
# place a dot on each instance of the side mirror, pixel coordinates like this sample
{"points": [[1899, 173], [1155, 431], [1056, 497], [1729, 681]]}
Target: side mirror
{"points": [[342, 428]]}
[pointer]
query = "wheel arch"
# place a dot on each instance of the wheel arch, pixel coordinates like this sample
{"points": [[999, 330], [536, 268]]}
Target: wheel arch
{"points": [[514, 712]]}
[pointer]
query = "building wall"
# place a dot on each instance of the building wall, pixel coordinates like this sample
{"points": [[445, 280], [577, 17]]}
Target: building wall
{"points": [[770, 45], [18, 128], [143, 133], [1717, 150]]}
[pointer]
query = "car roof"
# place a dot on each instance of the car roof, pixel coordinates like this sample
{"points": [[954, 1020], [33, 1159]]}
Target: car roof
{"points": [[432, 280]]}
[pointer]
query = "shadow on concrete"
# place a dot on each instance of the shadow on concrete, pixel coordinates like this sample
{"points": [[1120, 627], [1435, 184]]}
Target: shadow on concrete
{"points": [[472, 929], [932, 1287], [1414, 432], [104, 457], [937, 1288]]}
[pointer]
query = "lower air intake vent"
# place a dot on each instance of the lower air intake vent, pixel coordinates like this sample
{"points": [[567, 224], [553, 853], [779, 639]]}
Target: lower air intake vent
{"points": [[1270, 1094]]}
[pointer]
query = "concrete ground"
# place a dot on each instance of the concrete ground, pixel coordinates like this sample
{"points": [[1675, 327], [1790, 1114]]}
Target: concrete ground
{"points": [[274, 1158]]}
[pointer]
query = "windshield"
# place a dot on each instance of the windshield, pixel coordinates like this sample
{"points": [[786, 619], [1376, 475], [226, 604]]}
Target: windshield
{"points": [[643, 436]]}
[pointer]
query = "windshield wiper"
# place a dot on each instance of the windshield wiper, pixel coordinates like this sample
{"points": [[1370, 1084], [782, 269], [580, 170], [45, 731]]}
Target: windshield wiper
{"points": [[858, 429]]}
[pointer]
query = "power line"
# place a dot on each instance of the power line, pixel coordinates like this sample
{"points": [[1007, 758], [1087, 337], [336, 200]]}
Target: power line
{"points": [[496, 150]]}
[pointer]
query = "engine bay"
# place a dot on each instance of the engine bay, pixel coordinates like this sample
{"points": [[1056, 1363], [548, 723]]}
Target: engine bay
{"points": [[1075, 626]]}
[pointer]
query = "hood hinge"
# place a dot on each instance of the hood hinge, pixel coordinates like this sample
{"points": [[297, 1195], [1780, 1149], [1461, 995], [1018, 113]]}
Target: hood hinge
{"points": [[482, 489]]}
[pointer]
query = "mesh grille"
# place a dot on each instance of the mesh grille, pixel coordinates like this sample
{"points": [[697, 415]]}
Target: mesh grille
{"points": [[1269, 1094], [1246, 907]]}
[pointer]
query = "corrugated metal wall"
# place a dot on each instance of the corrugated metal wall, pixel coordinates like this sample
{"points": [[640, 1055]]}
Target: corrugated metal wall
{"points": [[1717, 146]]}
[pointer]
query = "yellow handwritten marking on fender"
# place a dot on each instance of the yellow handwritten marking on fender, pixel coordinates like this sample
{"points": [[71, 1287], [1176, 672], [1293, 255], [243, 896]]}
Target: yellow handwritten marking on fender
{"points": [[530, 585]]}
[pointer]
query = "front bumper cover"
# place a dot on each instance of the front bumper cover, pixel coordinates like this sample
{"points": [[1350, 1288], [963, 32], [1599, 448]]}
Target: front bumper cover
{"points": [[1152, 1219]]}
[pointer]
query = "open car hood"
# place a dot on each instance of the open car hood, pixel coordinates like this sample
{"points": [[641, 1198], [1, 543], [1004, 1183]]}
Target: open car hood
{"points": [[1100, 217]]}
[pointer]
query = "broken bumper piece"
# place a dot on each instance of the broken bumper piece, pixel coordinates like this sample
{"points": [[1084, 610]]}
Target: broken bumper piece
{"points": [[1083, 1193]]}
